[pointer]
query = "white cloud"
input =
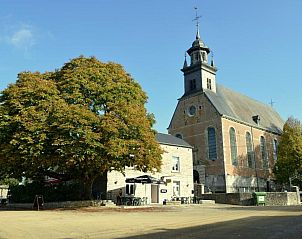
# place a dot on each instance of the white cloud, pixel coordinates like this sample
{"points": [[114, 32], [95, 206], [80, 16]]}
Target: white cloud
{"points": [[22, 38]]}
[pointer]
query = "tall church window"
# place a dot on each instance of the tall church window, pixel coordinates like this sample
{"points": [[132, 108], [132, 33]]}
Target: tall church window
{"points": [[275, 147], [209, 84], [192, 84], [263, 152], [233, 145], [249, 149], [212, 144]]}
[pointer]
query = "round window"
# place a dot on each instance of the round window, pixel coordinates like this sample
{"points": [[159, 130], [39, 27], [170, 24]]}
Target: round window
{"points": [[192, 110]]}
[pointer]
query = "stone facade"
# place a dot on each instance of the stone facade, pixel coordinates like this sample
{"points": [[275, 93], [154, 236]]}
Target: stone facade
{"points": [[157, 193]]}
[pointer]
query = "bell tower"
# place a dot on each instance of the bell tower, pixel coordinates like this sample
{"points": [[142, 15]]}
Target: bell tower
{"points": [[199, 74]]}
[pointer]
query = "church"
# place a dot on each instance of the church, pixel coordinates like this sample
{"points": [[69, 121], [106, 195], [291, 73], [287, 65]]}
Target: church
{"points": [[234, 137]]}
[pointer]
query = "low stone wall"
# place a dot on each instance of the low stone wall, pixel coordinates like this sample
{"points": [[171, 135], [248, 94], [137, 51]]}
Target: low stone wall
{"points": [[247, 199], [66, 204], [282, 198], [244, 199]]}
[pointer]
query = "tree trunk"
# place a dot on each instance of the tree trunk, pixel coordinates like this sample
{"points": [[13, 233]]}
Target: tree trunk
{"points": [[86, 193]]}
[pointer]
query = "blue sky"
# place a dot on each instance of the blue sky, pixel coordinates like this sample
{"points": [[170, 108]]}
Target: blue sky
{"points": [[256, 44]]}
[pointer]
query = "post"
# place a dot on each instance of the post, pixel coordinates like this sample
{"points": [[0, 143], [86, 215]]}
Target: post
{"points": [[254, 158]]}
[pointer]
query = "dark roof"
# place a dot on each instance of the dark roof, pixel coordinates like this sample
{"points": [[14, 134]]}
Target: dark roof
{"points": [[242, 108], [169, 139]]}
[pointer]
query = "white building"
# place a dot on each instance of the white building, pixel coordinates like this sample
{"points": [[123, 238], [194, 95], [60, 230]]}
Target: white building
{"points": [[175, 180]]}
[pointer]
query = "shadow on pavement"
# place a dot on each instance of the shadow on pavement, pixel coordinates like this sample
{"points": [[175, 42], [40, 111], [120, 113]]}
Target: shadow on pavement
{"points": [[294, 208], [287, 227]]}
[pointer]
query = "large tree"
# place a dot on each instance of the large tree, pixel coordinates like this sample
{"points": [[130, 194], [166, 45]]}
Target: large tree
{"points": [[78, 122], [289, 164]]}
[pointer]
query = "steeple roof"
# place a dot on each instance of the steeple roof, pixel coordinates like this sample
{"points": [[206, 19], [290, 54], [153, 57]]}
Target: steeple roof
{"points": [[198, 44]]}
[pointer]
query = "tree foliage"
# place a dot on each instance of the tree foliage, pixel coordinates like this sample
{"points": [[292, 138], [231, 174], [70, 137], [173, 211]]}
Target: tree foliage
{"points": [[82, 120], [289, 163]]}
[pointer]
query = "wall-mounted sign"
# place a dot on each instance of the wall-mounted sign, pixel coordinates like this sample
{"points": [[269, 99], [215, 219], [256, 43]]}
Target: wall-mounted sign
{"points": [[163, 190]]}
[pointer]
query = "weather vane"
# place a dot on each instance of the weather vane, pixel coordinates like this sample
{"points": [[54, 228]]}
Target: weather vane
{"points": [[196, 17], [272, 103]]}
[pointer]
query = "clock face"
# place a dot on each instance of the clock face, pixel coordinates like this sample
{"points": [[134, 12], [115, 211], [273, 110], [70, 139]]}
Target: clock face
{"points": [[192, 110]]}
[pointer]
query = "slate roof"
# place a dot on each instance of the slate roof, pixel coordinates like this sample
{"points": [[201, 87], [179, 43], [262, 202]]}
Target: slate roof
{"points": [[239, 107], [169, 139]]}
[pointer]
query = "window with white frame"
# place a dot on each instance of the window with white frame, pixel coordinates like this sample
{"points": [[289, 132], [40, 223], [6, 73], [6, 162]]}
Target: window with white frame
{"points": [[130, 189], [212, 151], [209, 84], [175, 164], [233, 146], [249, 150]]}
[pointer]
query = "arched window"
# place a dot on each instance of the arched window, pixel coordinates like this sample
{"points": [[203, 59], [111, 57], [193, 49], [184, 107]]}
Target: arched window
{"points": [[263, 152], [233, 146], [212, 144], [275, 149], [178, 136], [249, 149]]}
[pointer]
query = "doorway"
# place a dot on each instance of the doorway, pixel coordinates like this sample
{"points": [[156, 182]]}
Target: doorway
{"points": [[154, 193]]}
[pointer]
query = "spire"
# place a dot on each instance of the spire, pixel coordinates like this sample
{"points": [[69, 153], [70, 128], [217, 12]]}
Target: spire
{"points": [[185, 62], [197, 33], [197, 24]]}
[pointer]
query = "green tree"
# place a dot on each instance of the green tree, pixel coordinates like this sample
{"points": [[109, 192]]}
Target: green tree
{"points": [[289, 164], [80, 121]]}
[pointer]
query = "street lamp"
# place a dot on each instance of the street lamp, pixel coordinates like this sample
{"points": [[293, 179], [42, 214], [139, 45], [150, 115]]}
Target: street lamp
{"points": [[256, 119]]}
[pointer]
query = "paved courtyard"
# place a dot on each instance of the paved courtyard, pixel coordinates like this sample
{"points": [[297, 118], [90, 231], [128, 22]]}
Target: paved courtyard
{"points": [[190, 221]]}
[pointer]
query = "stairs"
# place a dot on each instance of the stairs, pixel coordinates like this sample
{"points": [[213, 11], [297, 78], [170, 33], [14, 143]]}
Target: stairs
{"points": [[207, 202]]}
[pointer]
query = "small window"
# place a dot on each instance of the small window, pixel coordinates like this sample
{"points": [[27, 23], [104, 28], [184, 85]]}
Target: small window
{"points": [[233, 145], [178, 136], [175, 164], [212, 151], [192, 110], [209, 84], [130, 189], [204, 56]]}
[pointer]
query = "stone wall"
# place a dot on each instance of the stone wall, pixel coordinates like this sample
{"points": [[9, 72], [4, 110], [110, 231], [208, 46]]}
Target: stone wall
{"points": [[247, 199], [66, 204], [244, 199]]}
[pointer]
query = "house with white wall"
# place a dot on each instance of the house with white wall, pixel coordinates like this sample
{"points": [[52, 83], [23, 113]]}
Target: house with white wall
{"points": [[175, 179]]}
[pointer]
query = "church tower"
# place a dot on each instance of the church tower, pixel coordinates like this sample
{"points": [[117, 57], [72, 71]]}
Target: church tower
{"points": [[199, 74], [230, 149]]}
